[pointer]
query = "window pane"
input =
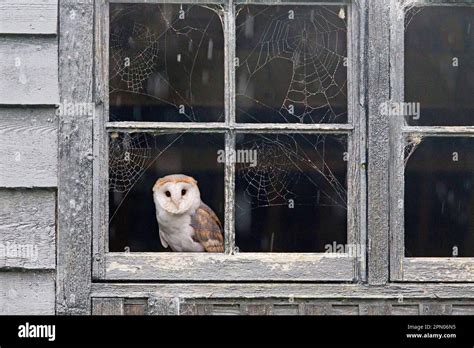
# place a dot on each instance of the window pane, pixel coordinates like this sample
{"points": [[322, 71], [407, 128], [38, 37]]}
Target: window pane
{"points": [[439, 65], [439, 197], [166, 63], [136, 161], [291, 192], [291, 64]]}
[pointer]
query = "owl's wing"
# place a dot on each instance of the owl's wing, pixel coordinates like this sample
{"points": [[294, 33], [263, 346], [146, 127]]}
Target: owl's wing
{"points": [[163, 240], [207, 229]]}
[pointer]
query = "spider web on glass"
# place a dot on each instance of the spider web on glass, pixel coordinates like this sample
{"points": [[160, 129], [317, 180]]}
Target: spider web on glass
{"points": [[133, 67], [282, 162], [312, 40]]}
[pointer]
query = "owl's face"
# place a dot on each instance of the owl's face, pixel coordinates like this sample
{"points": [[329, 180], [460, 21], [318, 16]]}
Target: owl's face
{"points": [[176, 194]]}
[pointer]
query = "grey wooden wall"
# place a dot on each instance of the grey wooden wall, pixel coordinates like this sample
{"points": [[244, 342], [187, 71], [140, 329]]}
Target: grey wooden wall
{"points": [[28, 156], [238, 306]]}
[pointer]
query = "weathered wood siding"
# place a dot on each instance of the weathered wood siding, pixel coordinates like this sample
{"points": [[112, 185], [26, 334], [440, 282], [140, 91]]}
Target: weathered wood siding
{"points": [[28, 155], [75, 158], [27, 229], [27, 293], [28, 16], [276, 299], [265, 306], [29, 70], [29, 147]]}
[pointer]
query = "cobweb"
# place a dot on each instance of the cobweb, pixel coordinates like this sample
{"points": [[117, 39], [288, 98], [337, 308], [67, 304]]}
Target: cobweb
{"points": [[282, 161], [143, 42], [129, 156], [411, 144], [410, 11], [270, 181], [313, 40], [134, 68]]}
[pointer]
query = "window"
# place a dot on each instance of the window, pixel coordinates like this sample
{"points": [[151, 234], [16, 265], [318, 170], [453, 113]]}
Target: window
{"points": [[432, 172], [260, 104]]}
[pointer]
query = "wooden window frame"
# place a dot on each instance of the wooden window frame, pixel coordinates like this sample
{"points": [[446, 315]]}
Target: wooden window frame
{"points": [[415, 269], [231, 266]]}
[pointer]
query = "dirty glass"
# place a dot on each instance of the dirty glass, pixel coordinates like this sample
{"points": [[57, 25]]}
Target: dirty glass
{"points": [[291, 64], [439, 197], [291, 192], [439, 65], [166, 63], [137, 161]]}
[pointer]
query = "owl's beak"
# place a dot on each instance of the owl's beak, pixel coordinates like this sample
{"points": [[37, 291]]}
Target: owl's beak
{"points": [[176, 205]]}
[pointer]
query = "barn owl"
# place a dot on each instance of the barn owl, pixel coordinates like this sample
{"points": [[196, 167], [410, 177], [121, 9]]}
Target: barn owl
{"points": [[186, 223]]}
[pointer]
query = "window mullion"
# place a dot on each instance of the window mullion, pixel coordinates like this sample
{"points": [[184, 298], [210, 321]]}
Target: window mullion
{"points": [[229, 181]]}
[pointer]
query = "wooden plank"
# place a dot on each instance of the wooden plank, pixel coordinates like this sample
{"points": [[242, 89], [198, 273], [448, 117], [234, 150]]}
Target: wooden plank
{"points": [[28, 139], [374, 308], [462, 309], [75, 158], [284, 291], [285, 309], [257, 309], [397, 169], [226, 309], [431, 269], [435, 309], [100, 222], [135, 306], [107, 306], [188, 309], [405, 309], [448, 131], [357, 142], [28, 16], [27, 293], [242, 266], [27, 229], [345, 309], [230, 136], [169, 305], [317, 309], [220, 127], [378, 141], [29, 72]]}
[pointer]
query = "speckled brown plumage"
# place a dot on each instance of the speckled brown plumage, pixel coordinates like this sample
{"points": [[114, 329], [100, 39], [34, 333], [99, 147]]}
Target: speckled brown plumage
{"points": [[207, 229]]}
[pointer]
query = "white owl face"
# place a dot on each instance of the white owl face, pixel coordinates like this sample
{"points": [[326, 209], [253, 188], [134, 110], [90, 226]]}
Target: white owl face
{"points": [[176, 196]]}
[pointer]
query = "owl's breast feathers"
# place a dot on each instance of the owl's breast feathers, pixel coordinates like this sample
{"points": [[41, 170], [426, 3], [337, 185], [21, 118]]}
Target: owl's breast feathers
{"points": [[207, 229]]}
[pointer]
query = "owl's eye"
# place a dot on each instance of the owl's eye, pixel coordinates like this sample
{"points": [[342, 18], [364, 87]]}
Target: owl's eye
{"points": [[183, 192], [168, 194]]}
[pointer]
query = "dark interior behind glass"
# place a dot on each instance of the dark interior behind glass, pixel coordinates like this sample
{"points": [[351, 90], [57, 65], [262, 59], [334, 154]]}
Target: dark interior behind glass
{"points": [[439, 198], [439, 65]]}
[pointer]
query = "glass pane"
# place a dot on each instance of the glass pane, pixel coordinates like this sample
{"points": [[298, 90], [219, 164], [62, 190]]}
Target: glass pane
{"points": [[439, 197], [439, 65], [291, 64], [291, 193], [136, 162], [166, 63]]}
